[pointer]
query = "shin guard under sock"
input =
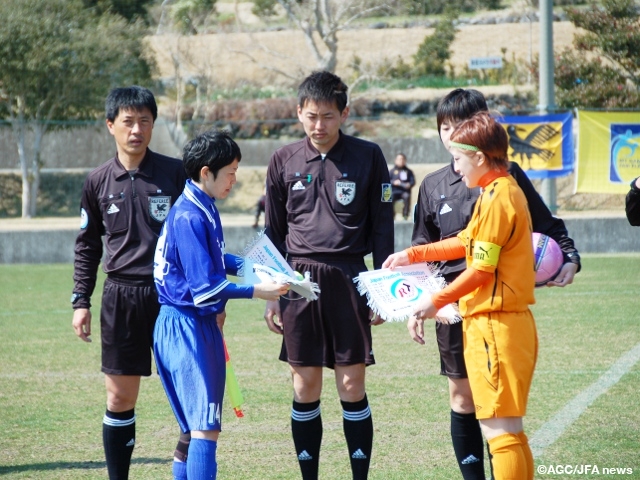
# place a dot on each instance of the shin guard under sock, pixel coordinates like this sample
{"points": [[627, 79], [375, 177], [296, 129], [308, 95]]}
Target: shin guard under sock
{"points": [[509, 461], [118, 439], [468, 445], [180, 457], [358, 431], [306, 429]]}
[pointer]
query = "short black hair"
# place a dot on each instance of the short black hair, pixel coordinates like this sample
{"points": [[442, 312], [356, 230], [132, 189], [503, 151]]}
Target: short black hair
{"points": [[323, 87], [460, 104], [214, 149], [134, 97]]}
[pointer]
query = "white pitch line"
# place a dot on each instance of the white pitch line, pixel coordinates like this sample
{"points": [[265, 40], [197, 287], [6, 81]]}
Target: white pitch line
{"points": [[554, 428]]}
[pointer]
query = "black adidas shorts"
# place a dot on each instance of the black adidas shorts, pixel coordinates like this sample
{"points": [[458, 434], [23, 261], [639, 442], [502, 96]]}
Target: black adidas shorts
{"points": [[127, 318], [333, 330]]}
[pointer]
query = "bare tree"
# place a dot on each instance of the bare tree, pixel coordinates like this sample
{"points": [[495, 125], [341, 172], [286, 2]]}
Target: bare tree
{"points": [[321, 20], [188, 68]]}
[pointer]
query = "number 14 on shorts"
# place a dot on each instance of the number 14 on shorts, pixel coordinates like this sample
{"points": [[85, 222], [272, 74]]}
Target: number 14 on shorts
{"points": [[214, 413]]}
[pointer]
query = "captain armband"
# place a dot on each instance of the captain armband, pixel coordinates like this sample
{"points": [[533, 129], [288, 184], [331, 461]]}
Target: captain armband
{"points": [[485, 254]]}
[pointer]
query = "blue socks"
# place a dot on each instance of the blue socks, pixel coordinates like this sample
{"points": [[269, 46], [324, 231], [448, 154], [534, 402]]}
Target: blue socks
{"points": [[201, 461], [179, 470]]}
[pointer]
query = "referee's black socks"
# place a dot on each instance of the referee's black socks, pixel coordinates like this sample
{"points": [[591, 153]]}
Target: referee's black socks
{"points": [[358, 431], [118, 438], [468, 445], [306, 429]]}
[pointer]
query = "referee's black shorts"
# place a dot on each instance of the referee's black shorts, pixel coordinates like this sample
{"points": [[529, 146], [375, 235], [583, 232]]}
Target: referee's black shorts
{"points": [[333, 330], [451, 349], [127, 318]]}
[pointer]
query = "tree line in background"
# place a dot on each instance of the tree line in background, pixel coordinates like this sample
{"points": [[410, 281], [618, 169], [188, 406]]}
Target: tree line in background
{"points": [[59, 58]]}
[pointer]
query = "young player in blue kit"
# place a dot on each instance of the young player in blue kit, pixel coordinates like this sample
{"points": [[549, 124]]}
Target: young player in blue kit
{"points": [[190, 268]]}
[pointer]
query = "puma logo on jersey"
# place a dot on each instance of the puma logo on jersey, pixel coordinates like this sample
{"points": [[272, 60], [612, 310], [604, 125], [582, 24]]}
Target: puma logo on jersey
{"points": [[445, 209], [298, 186], [112, 209]]}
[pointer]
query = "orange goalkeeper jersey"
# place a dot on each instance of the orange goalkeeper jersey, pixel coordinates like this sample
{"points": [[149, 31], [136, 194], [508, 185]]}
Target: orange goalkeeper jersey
{"points": [[498, 240]]}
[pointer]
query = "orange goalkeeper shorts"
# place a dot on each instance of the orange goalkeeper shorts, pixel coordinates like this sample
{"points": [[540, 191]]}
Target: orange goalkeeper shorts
{"points": [[500, 352]]}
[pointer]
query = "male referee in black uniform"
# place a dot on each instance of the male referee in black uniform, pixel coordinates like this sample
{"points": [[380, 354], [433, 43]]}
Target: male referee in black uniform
{"points": [[124, 202], [328, 206]]}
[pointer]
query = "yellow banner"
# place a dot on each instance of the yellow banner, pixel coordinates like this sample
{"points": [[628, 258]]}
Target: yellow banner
{"points": [[608, 151]]}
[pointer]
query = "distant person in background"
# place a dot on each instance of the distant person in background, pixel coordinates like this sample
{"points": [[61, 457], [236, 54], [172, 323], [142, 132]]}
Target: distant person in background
{"points": [[402, 181], [632, 204], [260, 208], [124, 203]]}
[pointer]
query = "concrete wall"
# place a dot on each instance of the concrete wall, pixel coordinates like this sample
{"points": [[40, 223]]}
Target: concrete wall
{"points": [[592, 235], [417, 150], [90, 146], [81, 147]]}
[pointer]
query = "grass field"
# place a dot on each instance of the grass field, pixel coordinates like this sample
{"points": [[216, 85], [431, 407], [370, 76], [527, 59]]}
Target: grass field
{"points": [[52, 394]]}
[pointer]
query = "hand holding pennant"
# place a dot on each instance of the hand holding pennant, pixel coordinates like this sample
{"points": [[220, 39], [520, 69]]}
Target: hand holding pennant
{"points": [[263, 263], [393, 294]]}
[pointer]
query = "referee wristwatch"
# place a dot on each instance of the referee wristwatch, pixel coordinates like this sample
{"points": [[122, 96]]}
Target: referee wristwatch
{"points": [[76, 296], [574, 257]]}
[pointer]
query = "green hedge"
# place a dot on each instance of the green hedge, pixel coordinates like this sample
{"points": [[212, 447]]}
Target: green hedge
{"points": [[59, 194]]}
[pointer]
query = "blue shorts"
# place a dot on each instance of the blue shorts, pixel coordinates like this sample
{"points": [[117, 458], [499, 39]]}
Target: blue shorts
{"points": [[190, 358]]}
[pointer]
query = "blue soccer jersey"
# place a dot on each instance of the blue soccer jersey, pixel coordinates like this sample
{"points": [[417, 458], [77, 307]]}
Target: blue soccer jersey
{"points": [[190, 263]]}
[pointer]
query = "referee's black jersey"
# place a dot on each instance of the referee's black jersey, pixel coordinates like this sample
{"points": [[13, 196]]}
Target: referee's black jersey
{"points": [[339, 206], [445, 205], [126, 210]]}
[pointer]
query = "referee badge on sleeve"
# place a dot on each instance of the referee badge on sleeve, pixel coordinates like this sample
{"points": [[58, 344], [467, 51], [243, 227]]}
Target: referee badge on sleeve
{"points": [[386, 192], [84, 219], [159, 208]]}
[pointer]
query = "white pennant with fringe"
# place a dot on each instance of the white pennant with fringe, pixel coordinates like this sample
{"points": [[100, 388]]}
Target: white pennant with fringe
{"points": [[263, 263], [392, 294]]}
